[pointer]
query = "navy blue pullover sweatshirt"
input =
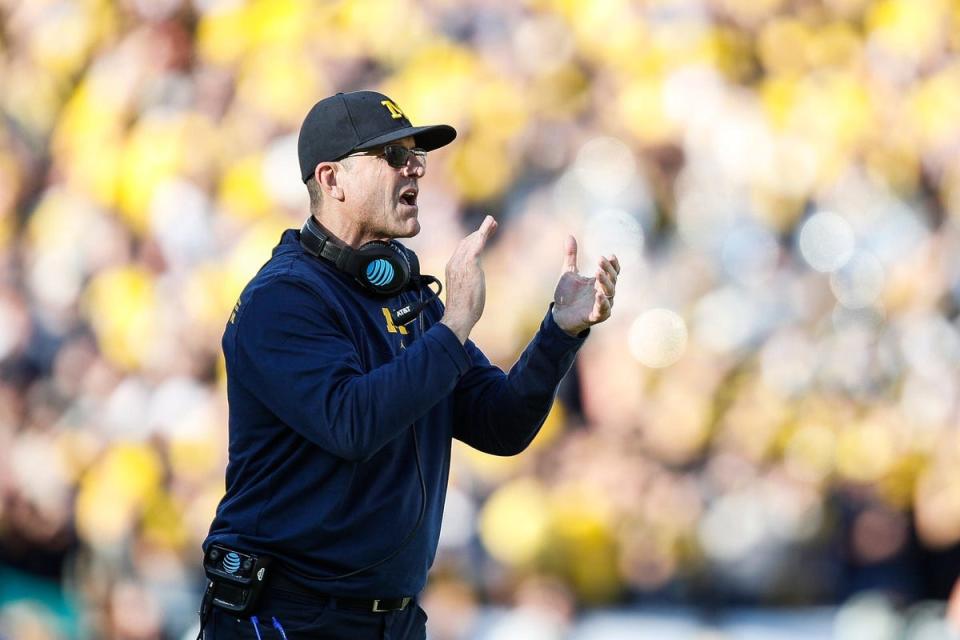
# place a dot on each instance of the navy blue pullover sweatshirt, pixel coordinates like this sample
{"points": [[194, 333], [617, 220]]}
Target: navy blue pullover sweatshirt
{"points": [[324, 396]]}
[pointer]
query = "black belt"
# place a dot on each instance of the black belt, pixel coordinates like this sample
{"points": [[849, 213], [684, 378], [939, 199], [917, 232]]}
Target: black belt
{"points": [[375, 605]]}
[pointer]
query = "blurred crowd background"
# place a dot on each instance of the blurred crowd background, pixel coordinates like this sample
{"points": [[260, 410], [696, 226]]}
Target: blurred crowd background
{"points": [[770, 419]]}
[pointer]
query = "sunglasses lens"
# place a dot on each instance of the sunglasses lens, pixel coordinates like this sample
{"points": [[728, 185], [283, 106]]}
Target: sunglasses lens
{"points": [[396, 155]]}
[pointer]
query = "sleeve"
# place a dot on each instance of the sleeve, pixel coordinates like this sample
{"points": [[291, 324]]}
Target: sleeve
{"points": [[501, 413], [293, 354]]}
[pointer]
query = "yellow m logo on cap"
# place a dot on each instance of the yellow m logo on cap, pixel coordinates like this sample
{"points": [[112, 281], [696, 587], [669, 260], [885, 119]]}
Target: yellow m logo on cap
{"points": [[392, 107]]}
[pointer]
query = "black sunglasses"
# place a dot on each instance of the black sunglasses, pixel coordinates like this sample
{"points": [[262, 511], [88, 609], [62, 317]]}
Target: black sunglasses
{"points": [[396, 155]]}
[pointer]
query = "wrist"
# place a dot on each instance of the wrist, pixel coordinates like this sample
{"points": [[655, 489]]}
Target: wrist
{"points": [[572, 331], [460, 327]]}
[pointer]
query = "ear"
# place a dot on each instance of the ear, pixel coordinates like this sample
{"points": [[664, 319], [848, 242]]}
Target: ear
{"points": [[327, 176]]}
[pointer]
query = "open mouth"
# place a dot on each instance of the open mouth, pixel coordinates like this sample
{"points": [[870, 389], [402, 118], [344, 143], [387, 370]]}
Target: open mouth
{"points": [[409, 196]]}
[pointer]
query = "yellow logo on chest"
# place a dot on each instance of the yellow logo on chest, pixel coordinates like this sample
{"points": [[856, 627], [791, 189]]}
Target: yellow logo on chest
{"points": [[392, 328]]}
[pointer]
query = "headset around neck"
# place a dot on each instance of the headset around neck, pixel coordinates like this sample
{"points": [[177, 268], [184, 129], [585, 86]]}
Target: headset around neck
{"points": [[382, 268]]}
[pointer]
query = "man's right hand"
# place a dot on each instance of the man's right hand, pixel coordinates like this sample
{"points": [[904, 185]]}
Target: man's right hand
{"points": [[466, 288]]}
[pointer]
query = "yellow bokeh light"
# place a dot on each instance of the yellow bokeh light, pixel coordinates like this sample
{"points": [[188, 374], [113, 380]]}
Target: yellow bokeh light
{"points": [[60, 42], [584, 543], [481, 168], [114, 491], [242, 190], [782, 43], [515, 522], [248, 255], [909, 29], [154, 153], [431, 85], [162, 523], [121, 306], [935, 107], [224, 35], [370, 28], [865, 452], [88, 140], [640, 105], [810, 452], [285, 97]]}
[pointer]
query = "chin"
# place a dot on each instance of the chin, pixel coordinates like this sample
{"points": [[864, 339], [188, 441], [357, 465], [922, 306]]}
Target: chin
{"points": [[410, 229]]}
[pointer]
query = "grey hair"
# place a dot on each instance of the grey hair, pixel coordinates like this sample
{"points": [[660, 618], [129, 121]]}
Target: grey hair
{"points": [[316, 194]]}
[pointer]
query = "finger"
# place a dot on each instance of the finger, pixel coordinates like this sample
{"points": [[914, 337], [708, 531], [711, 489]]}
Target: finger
{"points": [[615, 262], [479, 237], [607, 266], [601, 308], [570, 255], [487, 227], [604, 284], [605, 306]]}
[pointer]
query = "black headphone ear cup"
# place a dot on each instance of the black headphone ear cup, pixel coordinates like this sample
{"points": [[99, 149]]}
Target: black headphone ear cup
{"points": [[380, 267], [383, 267]]}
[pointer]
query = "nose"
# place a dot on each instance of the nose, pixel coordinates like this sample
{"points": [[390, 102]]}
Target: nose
{"points": [[414, 167]]}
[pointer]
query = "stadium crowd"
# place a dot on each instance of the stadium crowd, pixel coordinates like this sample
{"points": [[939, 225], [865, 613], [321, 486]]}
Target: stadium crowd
{"points": [[770, 417]]}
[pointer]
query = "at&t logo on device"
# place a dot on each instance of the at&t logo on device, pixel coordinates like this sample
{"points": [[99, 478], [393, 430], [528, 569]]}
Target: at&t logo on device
{"points": [[231, 562]]}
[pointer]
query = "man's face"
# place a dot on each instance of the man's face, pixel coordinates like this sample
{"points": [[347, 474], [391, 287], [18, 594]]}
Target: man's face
{"points": [[381, 199]]}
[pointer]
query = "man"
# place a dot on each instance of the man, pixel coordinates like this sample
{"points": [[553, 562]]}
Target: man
{"points": [[342, 409]]}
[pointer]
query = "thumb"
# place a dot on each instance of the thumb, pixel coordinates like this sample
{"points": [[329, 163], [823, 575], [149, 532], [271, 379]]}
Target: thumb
{"points": [[487, 227], [570, 256]]}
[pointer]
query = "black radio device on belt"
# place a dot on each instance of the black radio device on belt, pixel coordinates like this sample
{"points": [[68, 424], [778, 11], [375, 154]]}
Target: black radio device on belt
{"points": [[235, 578]]}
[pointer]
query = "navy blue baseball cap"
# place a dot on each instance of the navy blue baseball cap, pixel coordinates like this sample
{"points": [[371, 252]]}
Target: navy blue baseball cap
{"points": [[348, 122]]}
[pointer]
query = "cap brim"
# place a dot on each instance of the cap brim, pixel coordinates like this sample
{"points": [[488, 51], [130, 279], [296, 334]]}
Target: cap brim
{"points": [[427, 138]]}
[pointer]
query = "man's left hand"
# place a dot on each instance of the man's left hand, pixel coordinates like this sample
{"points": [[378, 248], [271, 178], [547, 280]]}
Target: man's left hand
{"points": [[580, 302]]}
